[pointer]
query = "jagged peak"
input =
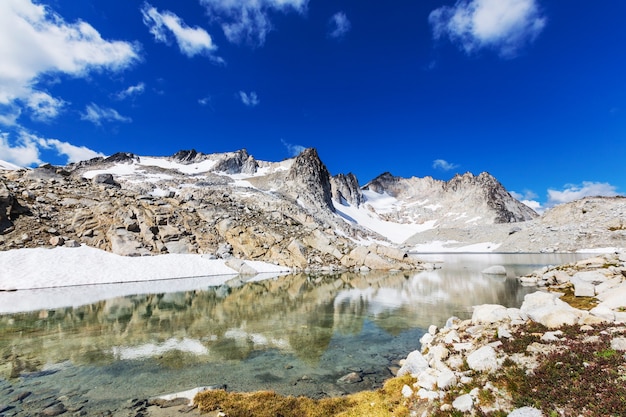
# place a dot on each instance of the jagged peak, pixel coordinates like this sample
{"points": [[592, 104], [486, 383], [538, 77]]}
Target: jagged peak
{"points": [[121, 157], [237, 162], [346, 187], [310, 173], [186, 155]]}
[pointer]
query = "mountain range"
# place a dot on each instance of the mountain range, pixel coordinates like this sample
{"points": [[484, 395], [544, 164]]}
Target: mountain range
{"points": [[291, 212]]}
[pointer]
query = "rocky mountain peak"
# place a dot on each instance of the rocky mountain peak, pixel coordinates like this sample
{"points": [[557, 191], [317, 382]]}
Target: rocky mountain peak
{"points": [[237, 162], [485, 186], [124, 157], [310, 178], [188, 156], [382, 183], [345, 187]]}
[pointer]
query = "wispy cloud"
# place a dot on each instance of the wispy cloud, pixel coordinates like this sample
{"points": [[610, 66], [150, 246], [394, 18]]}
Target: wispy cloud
{"points": [[205, 101], [72, 152], [42, 42], [339, 25], [191, 41], [9, 113], [503, 25], [573, 192], [294, 150], [25, 150], [43, 106], [132, 91], [96, 115], [249, 99], [444, 165], [249, 20]]}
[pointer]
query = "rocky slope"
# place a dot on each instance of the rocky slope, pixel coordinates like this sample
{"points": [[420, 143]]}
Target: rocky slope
{"points": [[464, 200], [291, 212], [222, 204], [547, 354]]}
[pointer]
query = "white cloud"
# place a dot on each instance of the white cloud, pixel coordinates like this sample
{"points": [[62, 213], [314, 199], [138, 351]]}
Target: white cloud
{"points": [[528, 198], [504, 25], [248, 20], [43, 106], [72, 152], [444, 165], [26, 149], [294, 150], [132, 91], [191, 41], [24, 152], [340, 25], [534, 204], [96, 115], [573, 192], [35, 41], [250, 100]]}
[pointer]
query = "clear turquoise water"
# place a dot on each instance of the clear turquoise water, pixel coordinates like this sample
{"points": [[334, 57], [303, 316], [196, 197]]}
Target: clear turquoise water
{"points": [[295, 334]]}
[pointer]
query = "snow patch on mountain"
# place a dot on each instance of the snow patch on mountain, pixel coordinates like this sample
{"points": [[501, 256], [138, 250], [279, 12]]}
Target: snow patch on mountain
{"points": [[7, 166]]}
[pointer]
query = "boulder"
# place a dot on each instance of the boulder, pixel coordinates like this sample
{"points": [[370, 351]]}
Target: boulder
{"points": [[547, 309], [376, 262], [489, 313], [413, 364], [583, 288], [407, 392], [105, 179], [240, 266], [464, 403], [483, 359], [526, 412], [427, 379], [446, 379], [351, 378], [594, 277], [619, 343]]}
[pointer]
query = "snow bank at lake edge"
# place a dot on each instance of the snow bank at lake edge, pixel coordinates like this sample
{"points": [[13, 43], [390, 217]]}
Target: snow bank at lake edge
{"points": [[60, 267]]}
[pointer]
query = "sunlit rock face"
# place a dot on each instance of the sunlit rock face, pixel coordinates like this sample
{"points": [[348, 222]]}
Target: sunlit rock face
{"points": [[290, 212], [463, 201], [187, 203]]}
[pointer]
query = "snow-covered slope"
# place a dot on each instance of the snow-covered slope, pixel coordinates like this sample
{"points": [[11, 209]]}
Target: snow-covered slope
{"points": [[389, 207], [401, 207], [7, 166]]}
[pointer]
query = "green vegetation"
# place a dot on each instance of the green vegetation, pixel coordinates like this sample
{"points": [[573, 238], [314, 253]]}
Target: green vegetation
{"points": [[583, 377], [582, 303]]}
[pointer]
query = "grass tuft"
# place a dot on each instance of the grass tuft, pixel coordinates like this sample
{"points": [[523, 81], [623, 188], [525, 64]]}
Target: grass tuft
{"points": [[387, 401]]}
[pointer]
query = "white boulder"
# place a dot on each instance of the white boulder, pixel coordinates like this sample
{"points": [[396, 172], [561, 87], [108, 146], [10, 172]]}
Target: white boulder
{"points": [[483, 359], [413, 364], [526, 412], [464, 403], [489, 313]]}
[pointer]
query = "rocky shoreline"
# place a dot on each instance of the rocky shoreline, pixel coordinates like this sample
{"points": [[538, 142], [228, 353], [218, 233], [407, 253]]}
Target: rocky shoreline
{"points": [[481, 366], [546, 358]]}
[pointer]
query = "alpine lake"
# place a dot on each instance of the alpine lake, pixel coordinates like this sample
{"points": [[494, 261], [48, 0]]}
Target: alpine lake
{"points": [[294, 334]]}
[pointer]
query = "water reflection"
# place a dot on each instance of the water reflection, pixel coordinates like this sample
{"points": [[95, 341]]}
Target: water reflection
{"points": [[320, 325]]}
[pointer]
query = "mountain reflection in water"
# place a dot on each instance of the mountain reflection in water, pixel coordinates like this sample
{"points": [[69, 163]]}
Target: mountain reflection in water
{"points": [[322, 325]]}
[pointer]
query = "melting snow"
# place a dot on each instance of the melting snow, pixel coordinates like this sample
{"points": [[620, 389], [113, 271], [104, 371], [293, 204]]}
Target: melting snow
{"points": [[395, 232]]}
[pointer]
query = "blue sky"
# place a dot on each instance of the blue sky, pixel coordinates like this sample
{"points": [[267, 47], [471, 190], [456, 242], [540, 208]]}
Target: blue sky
{"points": [[532, 91]]}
